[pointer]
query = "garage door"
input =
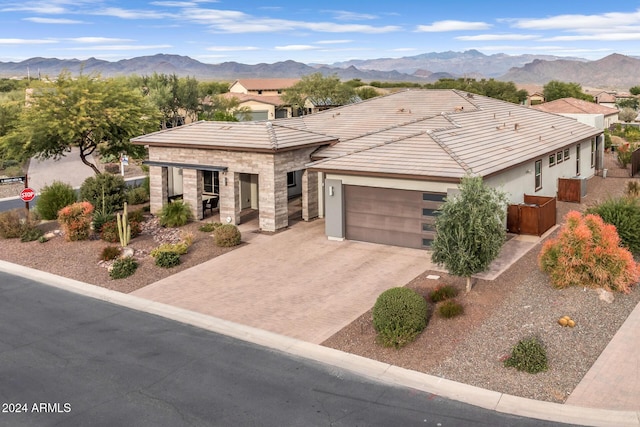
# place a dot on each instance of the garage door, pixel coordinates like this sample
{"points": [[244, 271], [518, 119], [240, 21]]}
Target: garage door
{"points": [[389, 216]]}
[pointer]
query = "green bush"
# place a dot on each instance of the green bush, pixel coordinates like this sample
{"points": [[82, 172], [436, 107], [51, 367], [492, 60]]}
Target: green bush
{"points": [[123, 267], [104, 191], [113, 168], [227, 235], [209, 227], [528, 355], [175, 214], [110, 252], [624, 214], [53, 198], [10, 224], [100, 218], [450, 308], [167, 259], [399, 315], [137, 195], [30, 233], [136, 216], [442, 293]]}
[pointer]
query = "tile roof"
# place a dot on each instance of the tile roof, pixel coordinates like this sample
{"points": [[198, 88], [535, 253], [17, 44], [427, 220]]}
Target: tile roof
{"points": [[248, 97], [266, 84], [264, 136], [454, 134], [574, 106]]}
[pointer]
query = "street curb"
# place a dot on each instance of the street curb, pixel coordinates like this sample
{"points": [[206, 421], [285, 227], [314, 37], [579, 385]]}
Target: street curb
{"points": [[369, 368]]}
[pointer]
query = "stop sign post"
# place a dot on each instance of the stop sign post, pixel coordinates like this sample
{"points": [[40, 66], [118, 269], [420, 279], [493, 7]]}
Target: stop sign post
{"points": [[27, 195]]}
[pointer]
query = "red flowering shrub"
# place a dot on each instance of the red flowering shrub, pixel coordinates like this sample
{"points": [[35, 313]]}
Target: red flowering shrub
{"points": [[587, 252], [75, 220]]}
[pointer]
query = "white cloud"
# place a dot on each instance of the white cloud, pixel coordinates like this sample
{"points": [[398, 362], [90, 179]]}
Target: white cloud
{"points": [[131, 14], [122, 47], [17, 42], [344, 15], [580, 22], [296, 47], [52, 21], [451, 25], [334, 41], [598, 36], [496, 37], [231, 48], [97, 40]]}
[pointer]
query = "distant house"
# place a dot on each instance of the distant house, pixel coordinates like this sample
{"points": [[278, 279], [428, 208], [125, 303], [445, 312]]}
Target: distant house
{"points": [[262, 97], [535, 94], [376, 170], [597, 115]]}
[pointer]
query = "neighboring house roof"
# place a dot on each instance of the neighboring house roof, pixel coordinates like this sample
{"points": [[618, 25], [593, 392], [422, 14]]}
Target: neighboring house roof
{"points": [[442, 134], [263, 136], [248, 97], [265, 84], [575, 106], [605, 97]]}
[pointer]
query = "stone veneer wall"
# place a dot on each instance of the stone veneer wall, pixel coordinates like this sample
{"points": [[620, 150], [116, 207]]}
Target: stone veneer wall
{"points": [[272, 181]]}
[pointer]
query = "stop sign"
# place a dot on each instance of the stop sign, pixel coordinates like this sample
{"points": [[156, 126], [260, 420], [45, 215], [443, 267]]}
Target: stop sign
{"points": [[27, 194]]}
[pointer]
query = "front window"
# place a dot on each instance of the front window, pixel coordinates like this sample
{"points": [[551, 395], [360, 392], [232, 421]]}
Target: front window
{"points": [[211, 182], [566, 154], [552, 160], [538, 174], [559, 157], [593, 152]]}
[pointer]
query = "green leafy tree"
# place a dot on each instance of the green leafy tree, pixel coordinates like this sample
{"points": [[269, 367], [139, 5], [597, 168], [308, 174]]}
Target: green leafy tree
{"points": [[320, 88], [556, 90], [367, 92], [470, 230], [635, 90], [87, 112], [505, 91], [175, 97], [222, 109], [627, 103]]}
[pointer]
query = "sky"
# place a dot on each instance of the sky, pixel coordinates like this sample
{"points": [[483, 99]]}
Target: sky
{"points": [[324, 32]]}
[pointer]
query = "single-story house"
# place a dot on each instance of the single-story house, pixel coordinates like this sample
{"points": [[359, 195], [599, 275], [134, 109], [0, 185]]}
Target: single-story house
{"points": [[376, 170], [590, 113]]}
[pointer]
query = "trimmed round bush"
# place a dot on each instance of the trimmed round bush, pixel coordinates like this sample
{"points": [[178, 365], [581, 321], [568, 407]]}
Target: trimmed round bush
{"points": [[123, 267], [227, 235], [137, 196], [529, 355], [105, 191], [399, 315], [10, 224], [167, 259], [53, 198]]}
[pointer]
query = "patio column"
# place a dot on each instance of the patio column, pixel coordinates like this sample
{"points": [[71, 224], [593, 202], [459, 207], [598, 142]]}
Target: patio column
{"points": [[309, 195], [192, 190], [230, 198], [157, 188]]}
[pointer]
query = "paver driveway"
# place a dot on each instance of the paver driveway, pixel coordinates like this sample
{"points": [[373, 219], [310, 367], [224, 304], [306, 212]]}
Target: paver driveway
{"points": [[296, 282]]}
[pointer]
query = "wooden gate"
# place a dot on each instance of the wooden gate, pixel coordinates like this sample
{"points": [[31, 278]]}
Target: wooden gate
{"points": [[569, 190], [635, 162], [533, 217]]}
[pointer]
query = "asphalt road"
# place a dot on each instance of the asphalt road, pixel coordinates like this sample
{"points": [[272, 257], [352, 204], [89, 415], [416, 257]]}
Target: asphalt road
{"points": [[70, 360]]}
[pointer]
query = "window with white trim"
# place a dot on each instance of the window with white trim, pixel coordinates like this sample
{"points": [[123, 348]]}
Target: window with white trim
{"points": [[538, 174]]}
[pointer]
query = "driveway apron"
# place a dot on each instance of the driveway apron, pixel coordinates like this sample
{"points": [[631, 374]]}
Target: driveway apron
{"points": [[296, 282]]}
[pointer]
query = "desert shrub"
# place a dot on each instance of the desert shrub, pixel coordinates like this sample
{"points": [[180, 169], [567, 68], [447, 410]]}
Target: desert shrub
{"points": [[450, 308], [123, 267], [209, 227], [10, 224], [624, 214], [43, 239], [53, 198], [399, 315], [136, 216], [167, 259], [110, 253], [632, 189], [75, 220], [442, 293], [528, 355], [180, 248], [105, 191], [587, 252], [175, 214], [100, 218], [113, 168], [137, 195], [227, 235], [109, 230], [624, 153], [30, 233]]}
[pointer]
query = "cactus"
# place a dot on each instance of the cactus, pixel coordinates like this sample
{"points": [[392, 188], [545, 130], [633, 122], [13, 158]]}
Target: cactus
{"points": [[124, 228]]}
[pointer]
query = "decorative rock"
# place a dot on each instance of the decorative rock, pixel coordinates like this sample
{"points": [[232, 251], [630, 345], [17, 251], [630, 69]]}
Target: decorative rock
{"points": [[127, 252], [605, 295]]}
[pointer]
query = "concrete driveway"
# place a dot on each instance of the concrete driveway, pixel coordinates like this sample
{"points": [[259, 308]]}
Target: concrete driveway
{"points": [[296, 282]]}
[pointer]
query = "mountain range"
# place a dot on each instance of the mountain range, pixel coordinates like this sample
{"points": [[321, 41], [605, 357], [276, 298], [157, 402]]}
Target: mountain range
{"points": [[616, 71]]}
